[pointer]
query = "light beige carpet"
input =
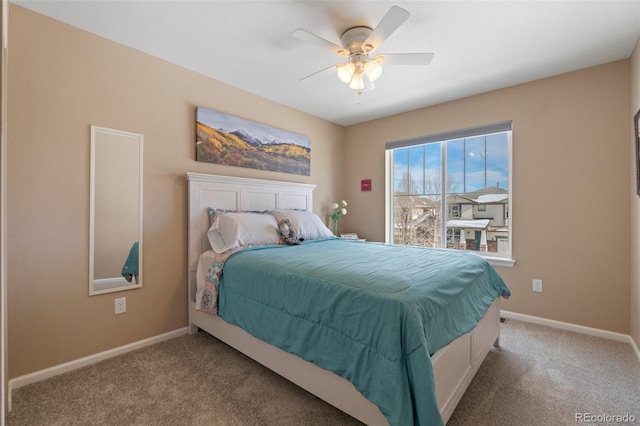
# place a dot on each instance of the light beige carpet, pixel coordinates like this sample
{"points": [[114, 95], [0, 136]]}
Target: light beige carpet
{"points": [[539, 376]]}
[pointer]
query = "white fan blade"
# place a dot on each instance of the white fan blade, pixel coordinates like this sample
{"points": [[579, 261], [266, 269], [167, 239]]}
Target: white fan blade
{"points": [[389, 23], [319, 41], [318, 72], [407, 58]]}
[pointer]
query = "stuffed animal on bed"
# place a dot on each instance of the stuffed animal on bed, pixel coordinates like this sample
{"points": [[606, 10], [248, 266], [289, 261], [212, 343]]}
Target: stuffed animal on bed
{"points": [[288, 235]]}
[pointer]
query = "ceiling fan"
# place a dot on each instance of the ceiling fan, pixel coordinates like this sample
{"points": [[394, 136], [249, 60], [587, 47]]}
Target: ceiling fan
{"points": [[358, 44]]}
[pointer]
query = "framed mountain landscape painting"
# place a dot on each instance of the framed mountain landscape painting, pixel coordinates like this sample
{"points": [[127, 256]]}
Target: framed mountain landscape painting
{"points": [[233, 141]]}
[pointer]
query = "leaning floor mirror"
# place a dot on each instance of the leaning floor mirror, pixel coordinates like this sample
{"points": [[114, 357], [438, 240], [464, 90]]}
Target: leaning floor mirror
{"points": [[115, 234]]}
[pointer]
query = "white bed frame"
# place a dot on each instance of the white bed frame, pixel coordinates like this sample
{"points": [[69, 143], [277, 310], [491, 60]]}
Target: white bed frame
{"points": [[454, 365]]}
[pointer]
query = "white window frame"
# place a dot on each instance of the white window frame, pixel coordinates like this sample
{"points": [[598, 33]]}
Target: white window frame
{"points": [[492, 258]]}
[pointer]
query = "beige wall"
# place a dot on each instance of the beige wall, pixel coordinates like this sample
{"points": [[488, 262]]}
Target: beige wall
{"points": [[3, 212], [570, 212], [61, 81], [570, 206], [635, 204]]}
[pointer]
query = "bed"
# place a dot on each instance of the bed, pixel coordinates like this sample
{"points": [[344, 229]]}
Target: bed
{"points": [[452, 366]]}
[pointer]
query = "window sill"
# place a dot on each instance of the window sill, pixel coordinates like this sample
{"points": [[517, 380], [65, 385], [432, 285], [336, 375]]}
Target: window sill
{"points": [[500, 261]]}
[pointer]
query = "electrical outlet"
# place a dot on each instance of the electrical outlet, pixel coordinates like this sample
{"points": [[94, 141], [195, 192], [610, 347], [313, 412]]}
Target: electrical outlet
{"points": [[537, 286], [121, 305]]}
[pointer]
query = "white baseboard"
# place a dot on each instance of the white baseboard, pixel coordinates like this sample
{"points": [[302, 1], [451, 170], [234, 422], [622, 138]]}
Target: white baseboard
{"points": [[634, 345], [611, 335], [37, 376]]}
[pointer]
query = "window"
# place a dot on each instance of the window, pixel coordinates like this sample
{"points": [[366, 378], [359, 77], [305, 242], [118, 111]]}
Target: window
{"points": [[454, 210], [452, 190]]}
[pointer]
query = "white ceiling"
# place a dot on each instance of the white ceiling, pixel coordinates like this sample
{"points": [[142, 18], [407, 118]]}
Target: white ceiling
{"points": [[479, 46]]}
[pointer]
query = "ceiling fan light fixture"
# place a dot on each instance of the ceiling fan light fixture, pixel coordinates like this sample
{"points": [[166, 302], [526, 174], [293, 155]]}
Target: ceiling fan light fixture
{"points": [[357, 83], [358, 44], [345, 72], [368, 85], [373, 70]]}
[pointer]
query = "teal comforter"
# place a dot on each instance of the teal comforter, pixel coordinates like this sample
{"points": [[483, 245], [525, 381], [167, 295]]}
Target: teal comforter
{"points": [[371, 313], [130, 267]]}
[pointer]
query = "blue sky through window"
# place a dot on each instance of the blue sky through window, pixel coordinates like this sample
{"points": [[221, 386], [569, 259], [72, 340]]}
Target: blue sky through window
{"points": [[472, 163]]}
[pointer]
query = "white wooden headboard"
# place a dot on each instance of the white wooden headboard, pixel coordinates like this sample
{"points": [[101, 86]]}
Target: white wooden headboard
{"points": [[234, 193]]}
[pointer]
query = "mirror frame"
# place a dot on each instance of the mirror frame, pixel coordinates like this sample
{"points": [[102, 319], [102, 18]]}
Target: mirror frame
{"points": [[95, 131]]}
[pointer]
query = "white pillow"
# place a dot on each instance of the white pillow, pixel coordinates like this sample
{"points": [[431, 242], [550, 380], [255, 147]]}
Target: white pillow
{"points": [[306, 224], [231, 230]]}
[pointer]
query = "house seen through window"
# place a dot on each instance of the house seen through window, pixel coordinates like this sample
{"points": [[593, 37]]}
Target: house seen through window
{"points": [[451, 190]]}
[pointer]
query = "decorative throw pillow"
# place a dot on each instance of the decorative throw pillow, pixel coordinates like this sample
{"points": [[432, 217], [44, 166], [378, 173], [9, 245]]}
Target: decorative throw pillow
{"points": [[288, 235]]}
